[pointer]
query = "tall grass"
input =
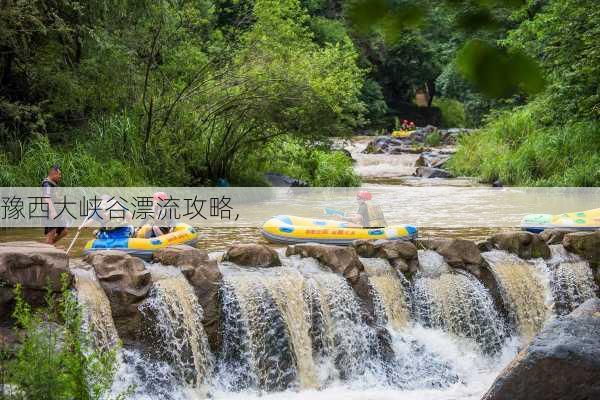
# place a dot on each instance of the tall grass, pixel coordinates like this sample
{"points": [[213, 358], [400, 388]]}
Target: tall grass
{"points": [[517, 149]]}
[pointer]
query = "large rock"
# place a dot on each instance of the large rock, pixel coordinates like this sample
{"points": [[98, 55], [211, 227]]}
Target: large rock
{"points": [[204, 275], [401, 254], [341, 260], [280, 180], [554, 236], [252, 255], [34, 266], [126, 283], [429, 172], [561, 362], [432, 159], [586, 244], [524, 244], [458, 253]]}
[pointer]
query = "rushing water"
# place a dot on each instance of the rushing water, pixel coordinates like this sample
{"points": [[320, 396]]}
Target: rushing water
{"points": [[572, 281], [300, 331], [525, 291], [96, 307]]}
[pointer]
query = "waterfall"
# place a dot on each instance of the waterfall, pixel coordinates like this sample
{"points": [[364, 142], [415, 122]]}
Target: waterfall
{"points": [[458, 303], [346, 337], [405, 360], [524, 290], [96, 307], [266, 322], [572, 280], [174, 326], [389, 294]]}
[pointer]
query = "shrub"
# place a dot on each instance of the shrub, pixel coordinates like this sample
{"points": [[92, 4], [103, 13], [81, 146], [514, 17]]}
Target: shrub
{"points": [[433, 139], [57, 359], [453, 112]]}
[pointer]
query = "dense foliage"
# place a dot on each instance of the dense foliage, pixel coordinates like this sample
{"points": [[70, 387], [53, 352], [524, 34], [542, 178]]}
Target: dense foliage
{"points": [[182, 92], [555, 138]]}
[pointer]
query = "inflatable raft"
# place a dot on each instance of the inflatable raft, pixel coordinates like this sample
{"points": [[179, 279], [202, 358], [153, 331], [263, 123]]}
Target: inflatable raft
{"points": [[289, 229], [143, 248], [582, 220]]}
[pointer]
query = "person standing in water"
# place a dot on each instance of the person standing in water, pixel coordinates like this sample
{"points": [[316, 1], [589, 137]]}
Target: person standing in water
{"points": [[53, 233], [368, 215]]}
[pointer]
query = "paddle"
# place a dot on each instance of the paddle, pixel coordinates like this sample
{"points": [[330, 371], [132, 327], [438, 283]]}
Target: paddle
{"points": [[77, 235], [332, 211]]}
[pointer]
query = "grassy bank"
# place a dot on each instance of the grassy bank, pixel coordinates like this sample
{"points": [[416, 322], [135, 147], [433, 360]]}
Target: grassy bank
{"points": [[517, 148]]}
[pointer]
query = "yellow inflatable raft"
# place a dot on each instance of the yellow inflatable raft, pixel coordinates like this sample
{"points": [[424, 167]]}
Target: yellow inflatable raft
{"points": [[143, 248], [581, 220], [290, 229]]}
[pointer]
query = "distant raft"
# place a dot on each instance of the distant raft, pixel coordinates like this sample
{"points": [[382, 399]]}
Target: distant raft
{"points": [[290, 229], [581, 220], [144, 248]]}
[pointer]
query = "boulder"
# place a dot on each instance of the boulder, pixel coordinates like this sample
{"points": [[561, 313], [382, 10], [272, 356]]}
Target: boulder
{"points": [[554, 236], [252, 255], [126, 283], [586, 244], [34, 266], [432, 159], [401, 254], [524, 244], [341, 260], [458, 253], [561, 362], [429, 172], [204, 275], [280, 180]]}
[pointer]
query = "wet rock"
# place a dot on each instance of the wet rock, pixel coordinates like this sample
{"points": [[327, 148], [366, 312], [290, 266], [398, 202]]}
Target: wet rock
{"points": [[401, 254], [364, 292], [429, 172], [204, 275], [126, 283], [458, 253], [554, 236], [524, 244], [586, 244], [561, 362], [432, 159], [280, 180], [252, 255], [341, 260], [34, 266], [419, 134]]}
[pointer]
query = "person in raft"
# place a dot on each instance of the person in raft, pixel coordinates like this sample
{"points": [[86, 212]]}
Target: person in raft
{"points": [[156, 225], [53, 233], [368, 215], [113, 218]]}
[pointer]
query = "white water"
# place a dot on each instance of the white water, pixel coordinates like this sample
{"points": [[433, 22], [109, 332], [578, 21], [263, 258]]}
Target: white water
{"points": [[297, 332]]}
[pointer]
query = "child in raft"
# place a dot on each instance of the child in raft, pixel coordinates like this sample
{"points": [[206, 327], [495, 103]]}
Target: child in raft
{"points": [[113, 218]]}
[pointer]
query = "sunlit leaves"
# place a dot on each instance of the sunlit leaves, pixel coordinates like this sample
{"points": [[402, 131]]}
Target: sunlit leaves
{"points": [[499, 72]]}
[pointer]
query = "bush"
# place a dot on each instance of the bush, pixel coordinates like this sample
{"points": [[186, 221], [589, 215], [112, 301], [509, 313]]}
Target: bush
{"points": [[517, 149], [453, 112], [319, 166], [433, 139], [57, 359]]}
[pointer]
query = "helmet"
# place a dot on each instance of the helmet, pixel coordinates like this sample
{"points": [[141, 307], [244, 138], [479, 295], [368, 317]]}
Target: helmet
{"points": [[364, 195], [160, 196]]}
